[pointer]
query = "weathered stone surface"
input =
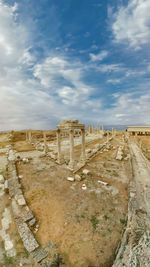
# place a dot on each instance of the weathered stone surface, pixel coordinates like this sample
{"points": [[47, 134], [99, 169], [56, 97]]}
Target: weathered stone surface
{"points": [[78, 177], [63, 122], [1, 179], [27, 215], [13, 186], [32, 222], [6, 186], [39, 254], [26, 235], [20, 199], [11, 156]]}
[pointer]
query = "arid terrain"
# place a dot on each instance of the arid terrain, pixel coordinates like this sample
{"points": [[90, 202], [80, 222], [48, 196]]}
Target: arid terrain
{"points": [[81, 220]]}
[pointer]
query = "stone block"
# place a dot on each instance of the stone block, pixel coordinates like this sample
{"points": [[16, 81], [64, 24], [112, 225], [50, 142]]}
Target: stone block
{"points": [[20, 199], [27, 215], [39, 254], [26, 235], [71, 179]]}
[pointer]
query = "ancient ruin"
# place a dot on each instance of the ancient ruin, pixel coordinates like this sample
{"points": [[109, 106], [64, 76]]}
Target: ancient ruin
{"points": [[74, 187], [138, 130], [70, 126]]}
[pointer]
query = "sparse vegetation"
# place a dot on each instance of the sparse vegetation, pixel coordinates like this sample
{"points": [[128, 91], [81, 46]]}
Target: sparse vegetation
{"points": [[94, 222], [106, 217], [123, 221], [8, 261]]}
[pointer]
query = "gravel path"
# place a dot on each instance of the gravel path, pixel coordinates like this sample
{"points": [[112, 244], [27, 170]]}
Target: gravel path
{"points": [[135, 244]]}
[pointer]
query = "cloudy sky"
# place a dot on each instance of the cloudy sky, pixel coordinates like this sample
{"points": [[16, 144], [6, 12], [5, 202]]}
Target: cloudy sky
{"points": [[73, 59]]}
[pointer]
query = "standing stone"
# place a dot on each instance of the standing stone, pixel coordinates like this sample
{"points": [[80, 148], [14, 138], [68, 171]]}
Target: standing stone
{"points": [[58, 146], [71, 163]]}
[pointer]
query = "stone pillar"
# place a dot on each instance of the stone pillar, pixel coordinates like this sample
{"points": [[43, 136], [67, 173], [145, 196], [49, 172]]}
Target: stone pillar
{"points": [[83, 158], [103, 129], [30, 136], [112, 131], [45, 142], [27, 135], [107, 136], [71, 137], [58, 146]]}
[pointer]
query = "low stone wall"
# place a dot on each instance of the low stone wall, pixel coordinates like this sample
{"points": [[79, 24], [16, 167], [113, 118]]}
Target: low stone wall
{"points": [[24, 217]]}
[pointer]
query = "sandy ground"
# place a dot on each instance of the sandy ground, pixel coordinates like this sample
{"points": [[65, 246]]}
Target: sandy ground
{"points": [[86, 226]]}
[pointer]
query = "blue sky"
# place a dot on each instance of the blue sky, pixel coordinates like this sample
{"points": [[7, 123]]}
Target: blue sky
{"points": [[73, 59]]}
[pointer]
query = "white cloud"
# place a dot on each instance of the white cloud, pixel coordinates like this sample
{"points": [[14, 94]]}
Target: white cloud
{"points": [[132, 23], [99, 57], [114, 81], [53, 72], [110, 68], [39, 95]]}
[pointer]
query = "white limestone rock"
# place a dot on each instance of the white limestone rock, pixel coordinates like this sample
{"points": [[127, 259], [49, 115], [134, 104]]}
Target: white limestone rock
{"points": [[86, 172], [11, 156], [78, 177], [101, 182], [84, 187], [8, 243], [1, 179], [25, 160], [71, 179]]}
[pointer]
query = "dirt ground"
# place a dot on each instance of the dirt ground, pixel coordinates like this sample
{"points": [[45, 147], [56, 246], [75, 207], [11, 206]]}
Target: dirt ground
{"points": [[86, 226]]}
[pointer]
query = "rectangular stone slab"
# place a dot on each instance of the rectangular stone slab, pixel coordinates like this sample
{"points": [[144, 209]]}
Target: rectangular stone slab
{"points": [[26, 235]]}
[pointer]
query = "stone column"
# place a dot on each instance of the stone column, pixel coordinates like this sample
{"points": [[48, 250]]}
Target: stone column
{"points": [[107, 136], [27, 135], [30, 136], [83, 145], [45, 143], [112, 131], [71, 137], [58, 146]]}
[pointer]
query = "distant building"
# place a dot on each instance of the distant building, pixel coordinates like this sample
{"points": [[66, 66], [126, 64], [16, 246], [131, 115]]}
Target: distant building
{"points": [[138, 130]]}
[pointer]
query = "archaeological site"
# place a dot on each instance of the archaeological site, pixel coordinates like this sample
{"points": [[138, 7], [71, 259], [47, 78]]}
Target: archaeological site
{"points": [[75, 196]]}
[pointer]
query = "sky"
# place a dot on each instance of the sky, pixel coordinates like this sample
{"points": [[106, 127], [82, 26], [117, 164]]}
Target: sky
{"points": [[71, 59]]}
